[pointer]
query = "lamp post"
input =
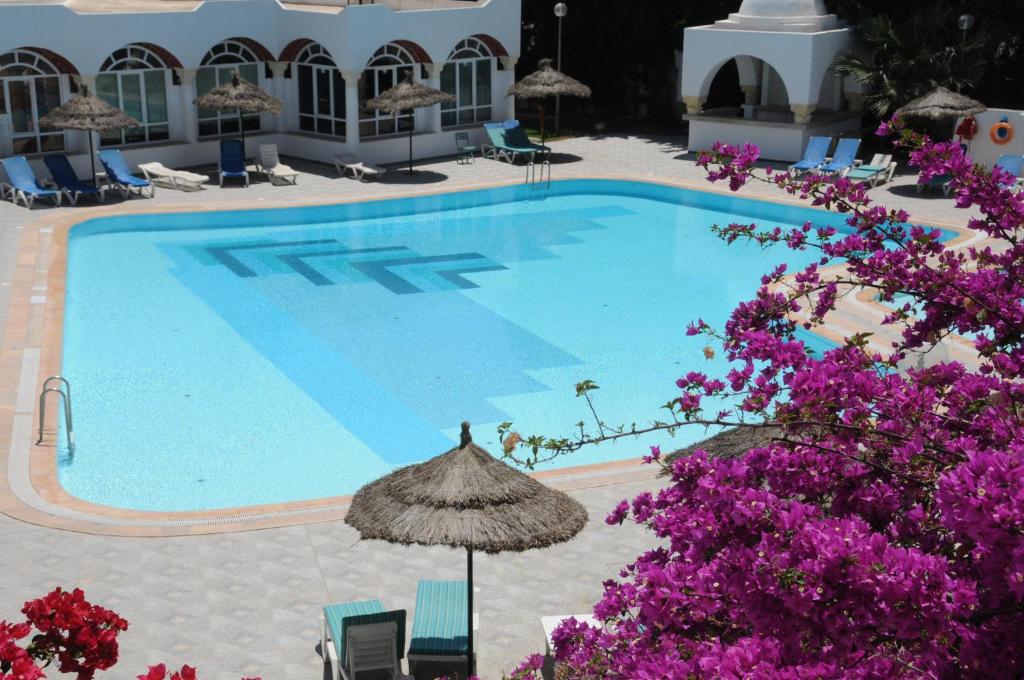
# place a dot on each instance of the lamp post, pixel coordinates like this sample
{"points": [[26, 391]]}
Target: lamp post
{"points": [[964, 23], [560, 11]]}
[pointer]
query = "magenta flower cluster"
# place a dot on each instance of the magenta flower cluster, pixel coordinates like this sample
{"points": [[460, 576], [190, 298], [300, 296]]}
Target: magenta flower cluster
{"points": [[879, 531]]}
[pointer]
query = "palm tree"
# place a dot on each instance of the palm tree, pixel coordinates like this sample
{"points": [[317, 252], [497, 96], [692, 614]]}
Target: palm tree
{"points": [[910, 55]]}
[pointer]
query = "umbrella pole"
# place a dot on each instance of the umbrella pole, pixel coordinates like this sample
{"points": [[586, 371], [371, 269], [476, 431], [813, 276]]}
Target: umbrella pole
{"points": [[542, 122], [241, 130], [92, 159], [469, 615]]}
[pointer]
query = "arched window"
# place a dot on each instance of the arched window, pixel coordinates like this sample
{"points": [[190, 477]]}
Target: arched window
{"points": [[216, 69], [389, 66], [134, 79], [467, 77], [321, 92], [31, 87]]}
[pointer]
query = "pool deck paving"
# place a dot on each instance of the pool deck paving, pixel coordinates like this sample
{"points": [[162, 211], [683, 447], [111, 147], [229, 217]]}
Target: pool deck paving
{"points": [[247, 602]]}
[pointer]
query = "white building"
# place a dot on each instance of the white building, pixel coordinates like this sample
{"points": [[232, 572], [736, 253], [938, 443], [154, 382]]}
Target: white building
{"points": [[322, 58], [783, 50]]}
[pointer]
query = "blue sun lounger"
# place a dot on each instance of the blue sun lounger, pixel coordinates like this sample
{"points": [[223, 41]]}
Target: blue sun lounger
{"points": [[121, 177], [844, 157], [500, 148], [23, 184], [814, 155], [232, 160], [439, 628], [1011, 163], [516, 136], [345, 627], [65, 178]]}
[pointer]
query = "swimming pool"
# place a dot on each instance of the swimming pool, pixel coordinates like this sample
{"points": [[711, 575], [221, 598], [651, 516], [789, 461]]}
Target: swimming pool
{"points": [[225, 359]]}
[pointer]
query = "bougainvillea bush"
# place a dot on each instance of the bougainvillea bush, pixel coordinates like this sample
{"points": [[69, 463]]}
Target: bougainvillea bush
{"points": [[880, 532], [64, 631]]}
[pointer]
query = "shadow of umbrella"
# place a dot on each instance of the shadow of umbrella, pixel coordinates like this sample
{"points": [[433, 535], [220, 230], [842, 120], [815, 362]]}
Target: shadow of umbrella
{"points": [[90, 113], [465, 498]]}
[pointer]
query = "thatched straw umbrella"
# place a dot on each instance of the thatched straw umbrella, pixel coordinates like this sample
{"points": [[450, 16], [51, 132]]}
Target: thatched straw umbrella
{"points": [[547, 82], [465, 498], [408, 95], [90, 113], [940, 104], [239, 95]]}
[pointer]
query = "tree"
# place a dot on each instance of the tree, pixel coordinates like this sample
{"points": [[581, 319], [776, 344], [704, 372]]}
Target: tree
{"points": [[910, 55], [880, 533]]}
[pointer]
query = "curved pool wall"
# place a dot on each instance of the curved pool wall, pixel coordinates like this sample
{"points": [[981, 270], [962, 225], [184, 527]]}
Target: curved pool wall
{"points": [[234, 358]]}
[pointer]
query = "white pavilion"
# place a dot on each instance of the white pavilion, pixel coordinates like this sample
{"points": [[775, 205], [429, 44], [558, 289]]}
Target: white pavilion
{"points": [[783, 50]]}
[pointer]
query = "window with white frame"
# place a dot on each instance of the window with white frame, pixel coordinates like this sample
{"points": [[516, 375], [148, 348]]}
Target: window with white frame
{"points": [[467, 76], [390, 65], [321, 92], [134, 79], [216, 68], [30, 89]]}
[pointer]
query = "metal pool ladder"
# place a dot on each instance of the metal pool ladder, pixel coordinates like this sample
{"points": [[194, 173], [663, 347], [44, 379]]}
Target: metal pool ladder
{"points": [[65, 394], [542, 181]]}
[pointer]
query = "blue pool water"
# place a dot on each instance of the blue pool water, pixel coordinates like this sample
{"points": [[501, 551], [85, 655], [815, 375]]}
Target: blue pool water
{"points": [[224, 359]]}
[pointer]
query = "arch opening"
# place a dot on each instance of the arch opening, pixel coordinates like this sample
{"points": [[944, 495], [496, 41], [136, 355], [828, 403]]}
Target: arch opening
{"points": [[134, 79]]}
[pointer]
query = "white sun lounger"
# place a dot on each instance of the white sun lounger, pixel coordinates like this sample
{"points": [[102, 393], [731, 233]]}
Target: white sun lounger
{"points": [[272, 167], [344, 162], [878, 171], [178, 179]]}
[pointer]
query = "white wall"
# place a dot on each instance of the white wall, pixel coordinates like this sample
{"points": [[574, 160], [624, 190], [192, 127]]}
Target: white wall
{"points": [[801, 59], [778, 142], [351, 35], [982, 149]]}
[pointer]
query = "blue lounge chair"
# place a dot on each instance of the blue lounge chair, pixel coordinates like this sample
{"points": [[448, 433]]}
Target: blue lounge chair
{"points": [[843, 158], [439, 628], [516, 136], [121, 177], [232, 160], [23, 184], [814, 155], [1011, 163], [351, 635], [67, 181], [499, 148]]}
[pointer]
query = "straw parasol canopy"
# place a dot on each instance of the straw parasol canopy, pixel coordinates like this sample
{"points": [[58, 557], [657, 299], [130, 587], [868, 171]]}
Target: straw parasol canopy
{"points": [[547, 82], [87, 112], [940, 104], [405, 96], [465, 498], [239, 95]]}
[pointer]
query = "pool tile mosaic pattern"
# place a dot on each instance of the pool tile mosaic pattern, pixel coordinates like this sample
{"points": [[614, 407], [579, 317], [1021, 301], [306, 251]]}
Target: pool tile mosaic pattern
{"points": [[229, 359]]}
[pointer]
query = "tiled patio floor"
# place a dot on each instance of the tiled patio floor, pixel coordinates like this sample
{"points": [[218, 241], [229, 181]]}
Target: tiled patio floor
{"points": [[247, 603]]}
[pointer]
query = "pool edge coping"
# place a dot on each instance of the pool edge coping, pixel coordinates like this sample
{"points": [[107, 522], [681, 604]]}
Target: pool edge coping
{"points": [[31, 491]]}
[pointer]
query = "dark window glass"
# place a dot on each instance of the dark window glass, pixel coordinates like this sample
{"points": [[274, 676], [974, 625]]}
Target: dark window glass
{"points": [[305, 89]]}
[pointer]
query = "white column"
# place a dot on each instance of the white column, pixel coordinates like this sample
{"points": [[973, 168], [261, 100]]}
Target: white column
{"points": [[432, 122], [504, 107], [287, 115], [187, 91], [352, 109]]}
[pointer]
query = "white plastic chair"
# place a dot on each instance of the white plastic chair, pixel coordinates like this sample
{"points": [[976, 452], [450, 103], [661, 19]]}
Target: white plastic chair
{"points": [[369, 647], [272, 167]]}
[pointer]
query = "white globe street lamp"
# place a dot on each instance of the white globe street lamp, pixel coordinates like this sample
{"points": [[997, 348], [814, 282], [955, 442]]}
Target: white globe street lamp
{"points": [[560, 11]]}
